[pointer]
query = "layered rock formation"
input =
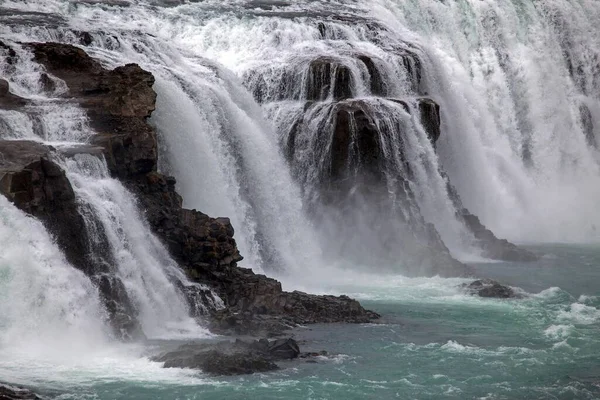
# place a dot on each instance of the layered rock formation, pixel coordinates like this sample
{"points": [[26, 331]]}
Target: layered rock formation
{"points": [[118, 103]]}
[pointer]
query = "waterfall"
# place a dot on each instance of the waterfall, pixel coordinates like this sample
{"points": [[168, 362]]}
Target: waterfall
{"points": [[159, 295], [516, 84], [47, 305]]}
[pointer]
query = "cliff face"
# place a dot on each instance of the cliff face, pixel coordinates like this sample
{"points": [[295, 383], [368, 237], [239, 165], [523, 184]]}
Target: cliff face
{"points": [[118, 103]]}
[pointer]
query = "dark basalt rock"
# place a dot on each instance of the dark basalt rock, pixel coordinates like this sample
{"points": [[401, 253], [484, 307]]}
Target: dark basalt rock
{"points": [[15, 393], [9, 101], [376, 79], [490, 288], [430, 118], [232, 358], [328, 77], [118, 102]]}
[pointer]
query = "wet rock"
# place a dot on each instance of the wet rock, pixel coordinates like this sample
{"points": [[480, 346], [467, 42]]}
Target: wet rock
{"points": [[328, 77], [231, 358], [15, 393], [493, 247], [490, 288], [9, 101], [587, 123], [375, 77], [355, 121], [118, 101], [414, 69], [430, 118]]}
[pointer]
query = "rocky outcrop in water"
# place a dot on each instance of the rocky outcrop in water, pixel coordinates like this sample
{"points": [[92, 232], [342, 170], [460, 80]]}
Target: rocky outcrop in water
{"points": [[232, 358], [15, 393], [119, 102], [490, 288]]}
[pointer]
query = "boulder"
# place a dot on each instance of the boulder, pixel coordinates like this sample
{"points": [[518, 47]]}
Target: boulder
{"points": [[16, 393], [490, 288], [587, 123], [231, 358], [9, 101]]}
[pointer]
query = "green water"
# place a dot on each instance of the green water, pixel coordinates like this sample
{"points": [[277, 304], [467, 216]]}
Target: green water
{"points": [[433, 342]]}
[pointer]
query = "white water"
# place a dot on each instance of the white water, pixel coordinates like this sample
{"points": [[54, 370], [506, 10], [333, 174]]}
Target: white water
{"points": [[143, 264], [151, 277]]}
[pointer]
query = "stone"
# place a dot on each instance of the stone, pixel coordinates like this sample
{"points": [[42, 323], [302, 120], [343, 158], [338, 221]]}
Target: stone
{"points": [[430, 118], [327, 77], [587, 123], [231, 358], [16, 393], [376, 81], [490, 288]]}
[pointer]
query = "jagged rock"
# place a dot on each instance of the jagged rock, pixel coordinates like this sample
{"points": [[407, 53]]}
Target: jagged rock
{"points": [[490, 288], [231, 358], [430, 118], [118, 102], [8, 100], [376, 79], [328, 77], [353, 118], [15, 393], [494, 248], [37, 185]]}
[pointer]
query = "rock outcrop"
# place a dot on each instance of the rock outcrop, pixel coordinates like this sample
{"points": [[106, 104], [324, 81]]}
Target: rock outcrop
{"points": [[231, 358], [493, 247], [15, 393], [119, 103], [490, 288]]}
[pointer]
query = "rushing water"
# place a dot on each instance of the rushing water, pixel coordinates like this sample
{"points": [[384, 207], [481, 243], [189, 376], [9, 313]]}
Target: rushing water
{"points": [[518, 84]]}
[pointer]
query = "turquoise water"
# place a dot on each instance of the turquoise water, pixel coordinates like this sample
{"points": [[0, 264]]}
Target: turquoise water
{"points": [[433, 342]]}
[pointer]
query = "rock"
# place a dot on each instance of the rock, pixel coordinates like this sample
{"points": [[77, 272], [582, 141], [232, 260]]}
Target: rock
{"points": [[15, 393], [118, 102], [490, 288], [587, 123], [494, 248], [378, 87], [430, 118], [231, 358], [9, 101], [327, 77], [284, 349]]}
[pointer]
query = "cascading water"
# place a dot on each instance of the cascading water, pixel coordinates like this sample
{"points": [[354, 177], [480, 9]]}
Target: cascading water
{"points": [[161, 298], [268, 112]]}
